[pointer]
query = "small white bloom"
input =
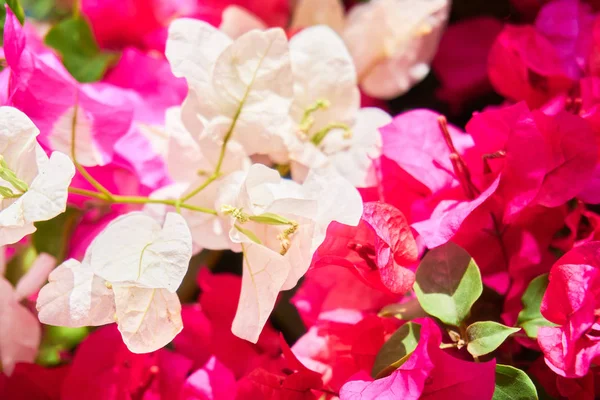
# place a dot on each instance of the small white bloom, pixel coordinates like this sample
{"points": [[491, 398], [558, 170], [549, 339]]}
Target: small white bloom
{"points": [[33, 187], [393, 42], [130, 273], [279, 224], [247, 81], [331, 129]]}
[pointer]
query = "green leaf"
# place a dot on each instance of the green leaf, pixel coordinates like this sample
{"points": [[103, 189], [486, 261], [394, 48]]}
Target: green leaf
{"points": [[486, 336], [513, 384], [406, 311], [530, 318], [53, 236], [447, 283], [396, 350], [81, 55]]}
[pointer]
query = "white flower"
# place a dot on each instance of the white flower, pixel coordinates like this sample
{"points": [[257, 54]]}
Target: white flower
{"points": [[331, 129], [279, 224], [130, 274], [393, 42], [20, 331], [247, 81], [33, 187]]}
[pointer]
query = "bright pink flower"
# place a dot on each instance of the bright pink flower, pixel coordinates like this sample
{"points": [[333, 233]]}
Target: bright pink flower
{"points": [[212, 382], [524, 65], [100, 374], [571, 301], [334, 293], [339, 348], [43, 89], [429, 373], [378, 250], [207, 328], [143, 24], [31, 381], [461, 61]]}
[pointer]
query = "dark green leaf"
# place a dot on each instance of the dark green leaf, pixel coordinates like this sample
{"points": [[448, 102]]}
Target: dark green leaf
{"points": [[513, 384], [486, 336], [74, 40], [447, 283], [530, 318], [406, 311], [395, 351], [53, 236]]}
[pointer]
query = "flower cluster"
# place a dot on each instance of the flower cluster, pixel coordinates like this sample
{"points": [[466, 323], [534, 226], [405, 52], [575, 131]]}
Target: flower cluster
{"points": [[222, 185]]}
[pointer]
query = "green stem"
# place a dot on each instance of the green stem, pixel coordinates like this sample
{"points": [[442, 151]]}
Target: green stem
{"points": [[97, 185], [139, 200]]}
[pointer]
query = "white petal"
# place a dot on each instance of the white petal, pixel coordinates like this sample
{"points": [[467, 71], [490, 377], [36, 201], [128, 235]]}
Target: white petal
{"points": [[323, 69], [193, 47], [319, 12], [20, 332], [75, 297], [18, 143], [36, 276], [134, 248], [236, 21], [184, 157], [148, 318], [353, 158], [252, 85], [338, 200], [47, 194], [265, 271]]}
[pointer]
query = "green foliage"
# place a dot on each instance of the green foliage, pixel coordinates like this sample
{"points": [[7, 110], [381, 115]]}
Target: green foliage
{"points": [[448, 283], [81, 55], [52, 236], [396, 350], [486, 336], [513, 384], [530, 318]]}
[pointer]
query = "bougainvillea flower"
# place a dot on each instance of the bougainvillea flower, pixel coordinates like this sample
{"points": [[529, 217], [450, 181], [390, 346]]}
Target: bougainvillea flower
{"points": [[461, 60], [212, 382], [429, 373], [233, 80], [129, 274], [378, 250], [207, 328], [392, 43], [99, 374], [333, 291], [524, 65], [279, 224], [20, 333], [33, 186], [190, 159], [42, 88], [32, 381], [570, 301]]}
